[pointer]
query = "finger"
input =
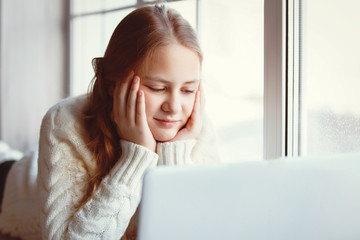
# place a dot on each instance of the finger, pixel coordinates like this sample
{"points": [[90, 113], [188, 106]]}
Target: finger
{"points": [[140, 109], [197, 107], [115, 100], [131, 101], [118, 111], [196, 112], [124, 92], [202, 99]]}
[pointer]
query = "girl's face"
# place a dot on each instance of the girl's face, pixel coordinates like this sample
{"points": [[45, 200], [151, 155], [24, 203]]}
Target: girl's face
{"points": [[170, 81]]}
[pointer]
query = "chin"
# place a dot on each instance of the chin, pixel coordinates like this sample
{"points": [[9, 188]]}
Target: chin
{"points": [[165, 137]]}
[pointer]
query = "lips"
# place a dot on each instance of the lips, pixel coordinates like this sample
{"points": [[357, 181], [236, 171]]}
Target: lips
{"points": [[168, 123]]}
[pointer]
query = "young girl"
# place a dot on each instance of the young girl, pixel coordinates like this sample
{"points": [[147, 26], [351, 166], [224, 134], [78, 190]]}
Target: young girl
{"points": [[145, 109]]}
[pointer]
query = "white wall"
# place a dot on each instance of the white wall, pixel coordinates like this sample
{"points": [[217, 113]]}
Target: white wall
{"points": [[33, 66]]}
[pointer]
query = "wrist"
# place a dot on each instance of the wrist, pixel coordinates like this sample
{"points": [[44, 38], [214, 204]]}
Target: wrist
{"points": [[151, 146], [175, 152]]}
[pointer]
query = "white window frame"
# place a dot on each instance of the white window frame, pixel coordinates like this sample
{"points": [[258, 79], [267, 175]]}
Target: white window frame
{"points": [[295, 117], [283, 118]]}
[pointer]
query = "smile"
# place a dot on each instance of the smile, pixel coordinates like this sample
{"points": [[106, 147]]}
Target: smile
{"points": [[166, 123]]}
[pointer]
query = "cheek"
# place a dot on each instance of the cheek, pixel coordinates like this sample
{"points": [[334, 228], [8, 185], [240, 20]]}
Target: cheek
{"points": [[189, 105], [148, 106], [151, 103]]}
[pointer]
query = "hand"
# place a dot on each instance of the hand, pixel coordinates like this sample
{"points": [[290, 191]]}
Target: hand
{"points": [[129, 112], [193, 126]]}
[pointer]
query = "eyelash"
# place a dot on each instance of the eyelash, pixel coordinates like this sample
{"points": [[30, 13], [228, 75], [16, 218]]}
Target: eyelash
{"points": [[188, 91], [156, 89], [163, 89]]}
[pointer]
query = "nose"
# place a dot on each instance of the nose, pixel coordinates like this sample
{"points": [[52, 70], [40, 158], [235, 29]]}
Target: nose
{"points": [[172, 104]]}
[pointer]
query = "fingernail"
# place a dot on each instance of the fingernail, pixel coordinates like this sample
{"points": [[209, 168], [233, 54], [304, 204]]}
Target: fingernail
{"points": [[136, 79]]}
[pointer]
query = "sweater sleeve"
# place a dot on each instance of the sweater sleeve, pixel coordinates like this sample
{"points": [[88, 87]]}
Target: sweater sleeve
{"points": [[176, 153], [107, 214]]}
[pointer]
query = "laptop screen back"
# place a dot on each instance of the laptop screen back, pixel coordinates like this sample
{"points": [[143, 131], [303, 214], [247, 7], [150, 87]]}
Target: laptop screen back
{"points": [[279, 199]]}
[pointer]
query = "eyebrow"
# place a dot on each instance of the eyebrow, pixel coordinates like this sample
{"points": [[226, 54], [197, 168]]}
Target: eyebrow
{"points": [[158, 79]]}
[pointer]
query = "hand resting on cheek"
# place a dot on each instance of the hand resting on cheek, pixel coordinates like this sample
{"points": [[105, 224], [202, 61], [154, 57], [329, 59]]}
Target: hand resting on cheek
{"points": [[129, 113], [194, 124]]}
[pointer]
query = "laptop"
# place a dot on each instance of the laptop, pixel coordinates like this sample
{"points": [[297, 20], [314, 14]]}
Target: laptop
{"points": [[303, 198]]}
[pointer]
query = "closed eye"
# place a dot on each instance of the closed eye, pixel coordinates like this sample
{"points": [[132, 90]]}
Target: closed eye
{"points": [[188, 91], [156, 89]]}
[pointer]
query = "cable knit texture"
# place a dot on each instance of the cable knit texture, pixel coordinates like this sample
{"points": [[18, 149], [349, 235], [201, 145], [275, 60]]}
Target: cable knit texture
{"points": [[20, 207], [65, 166], [176, 153]]}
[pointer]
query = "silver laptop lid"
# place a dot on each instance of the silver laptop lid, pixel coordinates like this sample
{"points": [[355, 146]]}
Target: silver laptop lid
{"points": [[279, 199]]}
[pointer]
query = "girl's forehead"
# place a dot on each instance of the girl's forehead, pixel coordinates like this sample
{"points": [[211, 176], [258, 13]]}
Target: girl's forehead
{"points": [[173, 64], [169, 81], [173, 55]]}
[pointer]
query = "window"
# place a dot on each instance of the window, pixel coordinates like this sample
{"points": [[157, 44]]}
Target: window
{"points": [[306, 97], [232, 39], [91, 23], [330, 56], [231, 35], [328, 73]]}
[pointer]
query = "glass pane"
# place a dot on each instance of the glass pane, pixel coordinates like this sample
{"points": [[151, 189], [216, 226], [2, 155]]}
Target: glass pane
{"points": [[330, 57], [110, 4], [85, 6], [87, 43], [90, 36], [232, 41]]}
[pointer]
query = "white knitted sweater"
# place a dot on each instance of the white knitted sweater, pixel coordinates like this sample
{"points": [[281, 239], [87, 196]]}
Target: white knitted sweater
{"points": [[65, 166]]}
